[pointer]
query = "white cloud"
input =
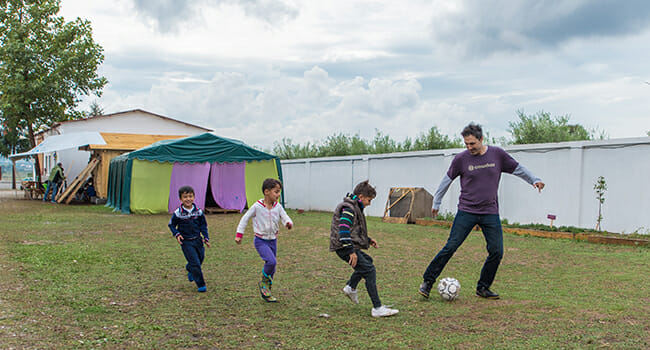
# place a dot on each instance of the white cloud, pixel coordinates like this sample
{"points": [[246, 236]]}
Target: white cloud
{"points": [[311, 69]]}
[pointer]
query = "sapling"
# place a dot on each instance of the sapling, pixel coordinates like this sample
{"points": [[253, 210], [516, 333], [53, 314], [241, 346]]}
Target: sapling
{"points": [[600, 186]]}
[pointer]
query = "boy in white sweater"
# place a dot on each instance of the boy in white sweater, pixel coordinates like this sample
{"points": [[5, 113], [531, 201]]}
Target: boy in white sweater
{"points": [[267, 213]]}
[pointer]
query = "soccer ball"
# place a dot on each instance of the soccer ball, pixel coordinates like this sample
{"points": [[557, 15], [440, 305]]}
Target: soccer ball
{"points": [[449, 288]]}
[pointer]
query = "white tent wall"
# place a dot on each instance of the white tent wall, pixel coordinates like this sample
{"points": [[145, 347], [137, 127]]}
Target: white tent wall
{"points": [[569, 169]]}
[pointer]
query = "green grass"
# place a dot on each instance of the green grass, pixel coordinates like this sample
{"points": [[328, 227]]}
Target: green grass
{"points": [[85, 277]]}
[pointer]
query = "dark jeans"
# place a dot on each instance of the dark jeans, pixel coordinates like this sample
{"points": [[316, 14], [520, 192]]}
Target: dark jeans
{"points": [[490, 224], [366, 270], [54, 186], [194, 253]]}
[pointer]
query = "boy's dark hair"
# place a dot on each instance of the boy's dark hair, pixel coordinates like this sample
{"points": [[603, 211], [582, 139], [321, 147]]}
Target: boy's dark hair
{"points": [[474, 130], [270, 184], [365, 189], [185, 189]]}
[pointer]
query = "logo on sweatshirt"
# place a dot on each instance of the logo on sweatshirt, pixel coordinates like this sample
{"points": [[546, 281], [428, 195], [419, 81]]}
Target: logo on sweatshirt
{"points": [[476, 167]]}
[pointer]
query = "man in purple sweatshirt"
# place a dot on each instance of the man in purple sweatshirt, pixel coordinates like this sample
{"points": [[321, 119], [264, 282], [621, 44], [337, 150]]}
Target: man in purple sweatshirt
{"points": [[479, 168]]}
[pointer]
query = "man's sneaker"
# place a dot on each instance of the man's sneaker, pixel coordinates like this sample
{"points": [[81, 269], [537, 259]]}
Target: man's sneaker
{"points": [[351, 293], [202, 289], [486, 293], [189, 277], [425, 288], [383, 311]]}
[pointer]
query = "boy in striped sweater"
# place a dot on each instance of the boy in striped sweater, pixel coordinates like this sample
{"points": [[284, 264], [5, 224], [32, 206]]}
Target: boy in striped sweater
{"points": [[348, 236]]}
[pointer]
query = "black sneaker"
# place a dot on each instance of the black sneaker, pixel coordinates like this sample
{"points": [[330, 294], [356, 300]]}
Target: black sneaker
{"points": [[425, 288], [486, 293]]}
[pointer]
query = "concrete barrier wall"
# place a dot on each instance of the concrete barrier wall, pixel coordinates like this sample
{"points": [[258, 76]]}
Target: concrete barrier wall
{"points": [[569, 169]]}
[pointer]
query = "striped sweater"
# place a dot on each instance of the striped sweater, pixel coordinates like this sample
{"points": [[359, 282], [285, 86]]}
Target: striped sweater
{"points": [[348, 229]]}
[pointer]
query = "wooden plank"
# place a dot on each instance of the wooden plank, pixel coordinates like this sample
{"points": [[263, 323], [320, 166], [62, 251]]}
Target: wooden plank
{"points": [[220, 211], [130, 142], [425, 222], [551, 234], [390, 193], [394, 220], [78, 181], [617, 240]]}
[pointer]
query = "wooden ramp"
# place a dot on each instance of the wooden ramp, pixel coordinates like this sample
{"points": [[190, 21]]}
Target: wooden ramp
{"points": [[70, 191]]}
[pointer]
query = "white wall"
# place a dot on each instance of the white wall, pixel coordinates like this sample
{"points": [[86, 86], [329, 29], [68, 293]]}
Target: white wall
{"points": [[569, 169]]}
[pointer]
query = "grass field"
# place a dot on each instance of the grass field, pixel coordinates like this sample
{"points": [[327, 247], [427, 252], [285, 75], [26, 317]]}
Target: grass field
{"points": [[85, 277]]}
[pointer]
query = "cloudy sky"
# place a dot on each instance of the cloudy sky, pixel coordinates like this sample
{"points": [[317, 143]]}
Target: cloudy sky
{"points": [[263, 70]]}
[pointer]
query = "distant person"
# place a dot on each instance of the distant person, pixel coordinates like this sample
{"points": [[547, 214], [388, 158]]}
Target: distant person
{"points": [[267, 214], [479, 168], [90, 191], [54, 182], [348, 236], [189, 227], [86, 192]]}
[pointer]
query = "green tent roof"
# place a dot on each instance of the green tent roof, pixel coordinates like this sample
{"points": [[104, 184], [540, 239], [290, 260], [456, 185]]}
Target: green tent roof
{"points": [[199, 149]]}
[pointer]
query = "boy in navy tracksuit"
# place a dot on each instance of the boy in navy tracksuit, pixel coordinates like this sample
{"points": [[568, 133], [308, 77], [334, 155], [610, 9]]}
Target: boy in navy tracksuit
{"points": [[189, 227]]}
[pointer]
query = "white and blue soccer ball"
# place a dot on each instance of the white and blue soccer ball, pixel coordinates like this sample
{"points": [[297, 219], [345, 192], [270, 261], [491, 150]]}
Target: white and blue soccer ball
{"points": [[449, 288]]}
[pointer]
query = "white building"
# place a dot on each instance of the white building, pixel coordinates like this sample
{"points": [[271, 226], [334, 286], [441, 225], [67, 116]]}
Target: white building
{"points": [[135, 121]]}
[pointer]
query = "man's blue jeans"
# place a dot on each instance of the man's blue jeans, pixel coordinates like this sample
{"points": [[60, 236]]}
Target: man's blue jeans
{"points": [[490, 224], [194, 253], [51, 185]]}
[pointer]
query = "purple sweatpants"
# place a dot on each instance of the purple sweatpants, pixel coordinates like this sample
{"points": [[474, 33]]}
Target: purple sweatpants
{"points": [[267, 251]]}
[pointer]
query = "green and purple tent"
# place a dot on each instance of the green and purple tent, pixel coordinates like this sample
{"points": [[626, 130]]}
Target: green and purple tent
{"points": [[221, 170]]}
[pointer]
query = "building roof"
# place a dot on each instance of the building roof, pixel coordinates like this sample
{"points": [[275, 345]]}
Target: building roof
{"points": [[128, 142], [55, 125]]}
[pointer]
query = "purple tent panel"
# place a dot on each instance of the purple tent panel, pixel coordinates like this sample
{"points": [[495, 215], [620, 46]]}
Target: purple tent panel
{"points": [[228, 185], [188, 174]]}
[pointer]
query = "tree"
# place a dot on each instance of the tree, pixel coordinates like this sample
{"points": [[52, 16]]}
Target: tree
{"points": [[600, 186], [46, 66], [95, 110], [541, 128], [344, 145], [383, 144], [287, 150], [434, 139]]}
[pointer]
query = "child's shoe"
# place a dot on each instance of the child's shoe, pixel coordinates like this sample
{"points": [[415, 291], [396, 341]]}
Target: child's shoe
{"points": [[202, 289], [351, 294], [265, 289], [190, 277], [383, 311]]}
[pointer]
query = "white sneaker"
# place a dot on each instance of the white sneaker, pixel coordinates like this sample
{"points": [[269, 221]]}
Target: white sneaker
{"points": [[351, 293], [383, 311]]}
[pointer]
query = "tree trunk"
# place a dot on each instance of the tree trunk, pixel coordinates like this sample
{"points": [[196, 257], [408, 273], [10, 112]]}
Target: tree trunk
{"points": [[37, 163], [13, 175]]}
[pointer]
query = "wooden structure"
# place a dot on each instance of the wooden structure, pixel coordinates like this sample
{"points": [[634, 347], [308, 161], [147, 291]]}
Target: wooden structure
{"points": [[117, 144], [68, 195], [212, 210], [406, 204], [33, 190]]}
